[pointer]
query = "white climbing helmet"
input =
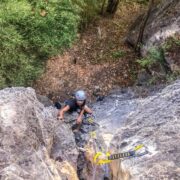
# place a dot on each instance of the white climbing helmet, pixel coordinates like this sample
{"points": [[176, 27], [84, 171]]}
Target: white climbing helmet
{"points": [[80, 95]]}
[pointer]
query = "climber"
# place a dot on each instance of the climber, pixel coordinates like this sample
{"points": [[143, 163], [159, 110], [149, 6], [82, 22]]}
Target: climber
{"points": [[77, 104]]}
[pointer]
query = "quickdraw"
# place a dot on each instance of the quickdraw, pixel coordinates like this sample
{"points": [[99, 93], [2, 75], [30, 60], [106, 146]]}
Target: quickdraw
{"points": [[90, 120], [101, 158], [93, 135], [102, 161]]}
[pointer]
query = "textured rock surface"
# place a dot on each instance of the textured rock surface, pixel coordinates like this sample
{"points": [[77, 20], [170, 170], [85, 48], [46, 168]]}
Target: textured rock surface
{"points": [[114, 110], [44, 100], [127, 120], [163, 22], [34, 145], [89, 141], [156, 124], [29, 134]]}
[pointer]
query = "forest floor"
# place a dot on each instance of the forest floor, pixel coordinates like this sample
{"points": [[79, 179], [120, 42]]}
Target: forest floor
{"points": [[99, 60]]}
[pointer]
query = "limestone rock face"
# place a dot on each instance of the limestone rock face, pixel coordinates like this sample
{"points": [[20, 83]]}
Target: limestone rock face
{"points": [[155, 123], [34, 145], [163, 22], [31, 139]]}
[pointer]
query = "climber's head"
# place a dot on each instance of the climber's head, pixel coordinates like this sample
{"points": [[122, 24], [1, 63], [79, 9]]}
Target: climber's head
{"points": [[80, 97]]}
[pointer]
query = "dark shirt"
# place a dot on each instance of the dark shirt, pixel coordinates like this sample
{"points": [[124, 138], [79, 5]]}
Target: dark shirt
{"points": [[74, 106]]}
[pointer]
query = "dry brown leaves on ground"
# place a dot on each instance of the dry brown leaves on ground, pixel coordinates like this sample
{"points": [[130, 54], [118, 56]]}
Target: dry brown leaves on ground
{"points": [[98, 62]]}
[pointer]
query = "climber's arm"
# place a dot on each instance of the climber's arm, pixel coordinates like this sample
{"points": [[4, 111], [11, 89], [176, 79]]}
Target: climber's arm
{"points": [[62, 111], [79, 119], [88, 110]]}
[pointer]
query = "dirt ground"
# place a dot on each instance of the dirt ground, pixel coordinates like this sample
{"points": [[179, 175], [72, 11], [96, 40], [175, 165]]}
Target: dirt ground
{"points": [[98, 62]]}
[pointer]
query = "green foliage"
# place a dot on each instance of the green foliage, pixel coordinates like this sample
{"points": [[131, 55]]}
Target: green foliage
{"points": [[172, 77], [152, 81], [89, 10], [53, 31], [15, 66], [177, 42], [30, 32], [172, 42], [154, 56], [118, 54]]}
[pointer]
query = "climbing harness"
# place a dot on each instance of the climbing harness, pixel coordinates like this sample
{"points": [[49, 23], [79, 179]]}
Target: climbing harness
{"points": [[93, 134], [88, 120], [101, 158]]}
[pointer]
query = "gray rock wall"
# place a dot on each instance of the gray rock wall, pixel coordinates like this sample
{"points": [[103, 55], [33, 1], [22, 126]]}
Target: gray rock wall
{"points": [[163, 22], [31, 139], [156, 124]]}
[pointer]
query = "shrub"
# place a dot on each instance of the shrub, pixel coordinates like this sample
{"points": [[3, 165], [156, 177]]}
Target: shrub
{"points": [[118, 54], [89, 9], [30, 32], [171, 42], [154, 56]]}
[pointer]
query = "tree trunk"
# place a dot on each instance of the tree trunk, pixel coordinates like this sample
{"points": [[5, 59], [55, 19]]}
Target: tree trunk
{"points": [[112, 6], [143, 25], [102, 7]]}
